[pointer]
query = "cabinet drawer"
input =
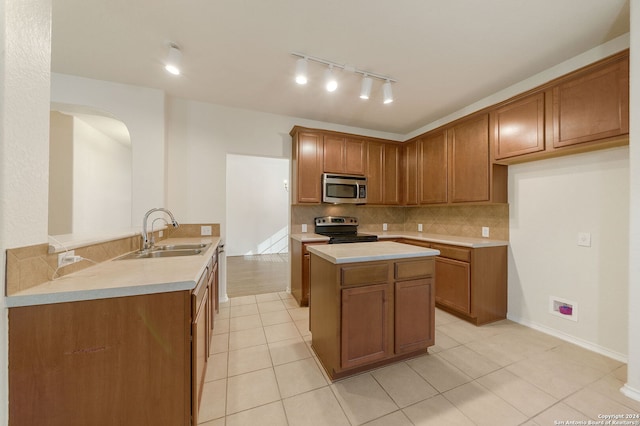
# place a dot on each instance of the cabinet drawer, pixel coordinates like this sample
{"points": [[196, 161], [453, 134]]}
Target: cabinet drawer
{"points": [[457, 253], [414, 269], [372, 273]]}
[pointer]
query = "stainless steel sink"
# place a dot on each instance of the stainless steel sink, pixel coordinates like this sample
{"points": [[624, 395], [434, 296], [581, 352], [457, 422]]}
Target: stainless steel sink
{"points": [[180, 247], [166, 251]]}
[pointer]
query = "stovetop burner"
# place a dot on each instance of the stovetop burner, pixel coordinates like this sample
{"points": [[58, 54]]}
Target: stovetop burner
{"points": [[341, 230]]}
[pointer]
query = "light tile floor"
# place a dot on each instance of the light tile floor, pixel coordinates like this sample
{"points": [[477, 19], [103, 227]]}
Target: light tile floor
{"points": [[263, 372]]}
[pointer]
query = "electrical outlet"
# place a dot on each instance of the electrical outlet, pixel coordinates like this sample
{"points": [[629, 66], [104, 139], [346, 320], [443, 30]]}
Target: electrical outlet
{"points": [[304, 227], [160, 233], [205, 230], [384, 226], [485, 231], [584, 239], [67, 258], [419, 227]]}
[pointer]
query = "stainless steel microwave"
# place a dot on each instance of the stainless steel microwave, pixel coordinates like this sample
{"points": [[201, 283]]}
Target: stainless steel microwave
{"points": [[349, 189]]}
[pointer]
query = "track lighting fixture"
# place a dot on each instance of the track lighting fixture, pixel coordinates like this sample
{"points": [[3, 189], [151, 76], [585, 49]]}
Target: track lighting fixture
{"points": [[386, 92], [301, 71], [172, 64], [365, 88], [331, 83]]}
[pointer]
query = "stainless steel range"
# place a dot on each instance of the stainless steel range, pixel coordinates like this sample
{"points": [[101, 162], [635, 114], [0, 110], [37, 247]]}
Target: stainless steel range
{"points": [[341, 229]]}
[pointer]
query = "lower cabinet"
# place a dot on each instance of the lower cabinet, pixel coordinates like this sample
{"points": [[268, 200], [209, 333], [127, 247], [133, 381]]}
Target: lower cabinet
{"points": [[413, 324], [200, 341], [368, 314], [300, 270], [136, 360], [365, 325], [456, 289], [472, 282]]}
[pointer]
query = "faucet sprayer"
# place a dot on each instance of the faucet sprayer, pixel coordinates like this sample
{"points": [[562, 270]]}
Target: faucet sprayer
{"points": [[145, 240]]}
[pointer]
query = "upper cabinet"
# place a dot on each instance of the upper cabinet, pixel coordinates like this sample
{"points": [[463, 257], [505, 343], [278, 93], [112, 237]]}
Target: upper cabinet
{"points": [[585, 110], [592, 104], [343, 155], [433, 168], [383, 173], [469, 154], [454, 165], [518, 127], [315, 152], [410, 173], [306, 164]]}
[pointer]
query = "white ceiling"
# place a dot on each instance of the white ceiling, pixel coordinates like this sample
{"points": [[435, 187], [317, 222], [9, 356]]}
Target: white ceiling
{"points": [[445, 54]]}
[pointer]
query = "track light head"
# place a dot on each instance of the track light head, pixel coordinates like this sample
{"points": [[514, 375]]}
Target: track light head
{"points": [[331, 84], [387, 94], [172, 64], [365, 88], [301, 71]]}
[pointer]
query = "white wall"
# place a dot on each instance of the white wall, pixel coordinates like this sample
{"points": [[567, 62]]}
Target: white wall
{"points": [[550, 202], [60, 174], [257, 205], [101, 178], [25, 63], [142, 111], [632, 387]]}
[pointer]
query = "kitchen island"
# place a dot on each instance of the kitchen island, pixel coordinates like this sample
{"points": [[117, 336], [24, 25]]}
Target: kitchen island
{"points": [[370, 304]]}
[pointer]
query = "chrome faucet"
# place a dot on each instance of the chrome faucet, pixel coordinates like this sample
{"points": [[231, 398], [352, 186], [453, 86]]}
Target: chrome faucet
{"points": [[146, 244]]}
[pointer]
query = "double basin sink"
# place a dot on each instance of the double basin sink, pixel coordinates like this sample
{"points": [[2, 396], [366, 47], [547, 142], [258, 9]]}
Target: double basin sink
{"points": [[166, 251]]}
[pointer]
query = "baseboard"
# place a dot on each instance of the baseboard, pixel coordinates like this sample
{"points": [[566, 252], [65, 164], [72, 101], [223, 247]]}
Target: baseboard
{"points": [[630, 392], [571, 339]]}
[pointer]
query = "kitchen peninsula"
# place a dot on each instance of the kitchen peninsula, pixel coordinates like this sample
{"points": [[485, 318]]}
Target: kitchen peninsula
{"points": [[370, 304]]}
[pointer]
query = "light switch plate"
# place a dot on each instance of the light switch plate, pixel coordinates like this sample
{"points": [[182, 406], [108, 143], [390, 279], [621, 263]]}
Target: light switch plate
{"points": [[304, 227], [205, 230], [584, 239]]}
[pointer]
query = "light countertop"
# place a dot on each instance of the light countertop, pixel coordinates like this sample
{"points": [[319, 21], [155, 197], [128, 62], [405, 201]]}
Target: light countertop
{"points": [[418, 236], [117, 278], [367, 252]]}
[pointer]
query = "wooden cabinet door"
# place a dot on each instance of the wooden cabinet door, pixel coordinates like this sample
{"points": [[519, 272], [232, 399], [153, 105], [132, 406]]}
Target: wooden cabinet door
{"points": [[391, 174], [593, 105], [454, 284], [306, 269], [343, 155], [433, 168], [333, 154], [414, 322], [199, 354], [375, 172], [469, 142], [309, 168], [365, 325], [410, 173], [354, 156], [518, 128]]}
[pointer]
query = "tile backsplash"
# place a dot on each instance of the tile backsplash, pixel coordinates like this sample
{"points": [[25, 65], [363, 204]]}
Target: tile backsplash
{"points": [[463, 220], [34, 265]]}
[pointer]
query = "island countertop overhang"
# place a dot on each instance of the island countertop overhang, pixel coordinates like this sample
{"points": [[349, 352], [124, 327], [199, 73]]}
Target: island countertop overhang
{"points": [[370, 251]]}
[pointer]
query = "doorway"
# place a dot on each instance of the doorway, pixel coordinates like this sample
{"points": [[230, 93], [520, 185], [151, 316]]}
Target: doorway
{"points": [[257, 237]]}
